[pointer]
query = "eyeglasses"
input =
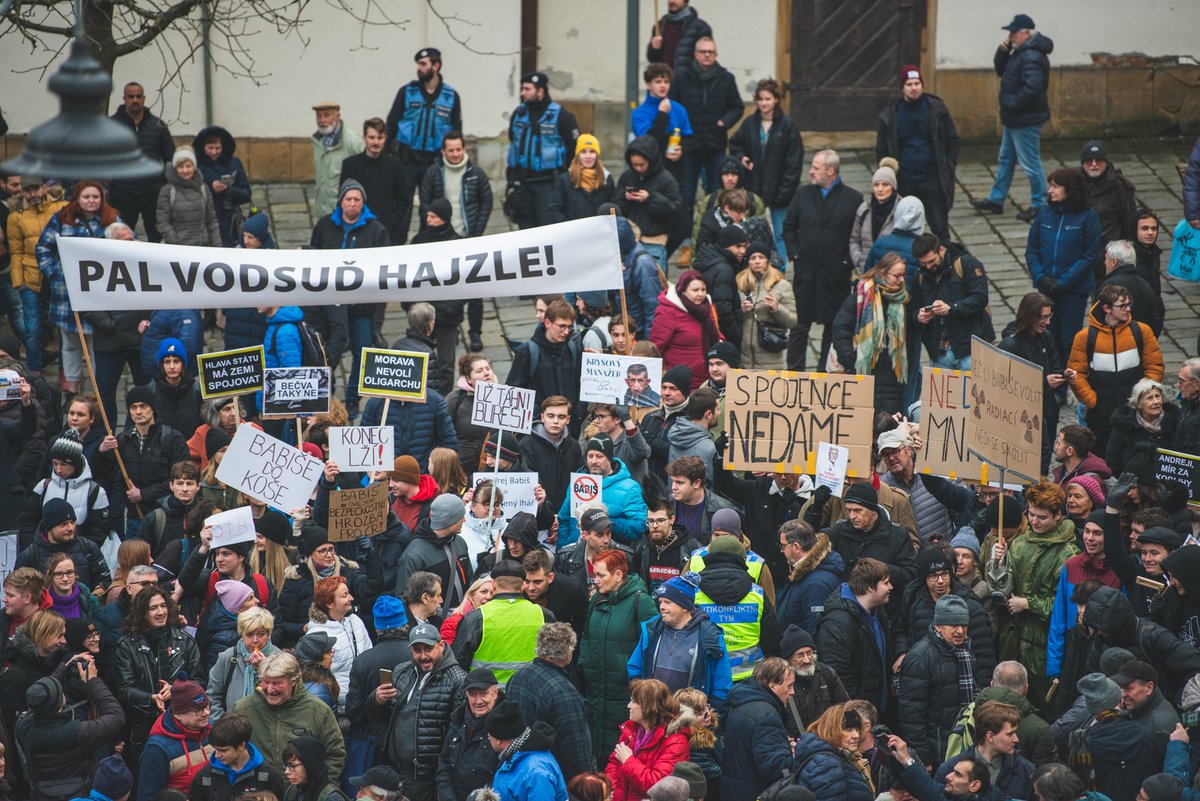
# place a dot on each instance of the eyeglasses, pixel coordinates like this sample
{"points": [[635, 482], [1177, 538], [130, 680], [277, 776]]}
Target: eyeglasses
{"points": [[1128, 305], [289, 766], [806, 656], [63, 573], [706, 52], [563, 326], [657, 522], [327, 551], [93, 634]]}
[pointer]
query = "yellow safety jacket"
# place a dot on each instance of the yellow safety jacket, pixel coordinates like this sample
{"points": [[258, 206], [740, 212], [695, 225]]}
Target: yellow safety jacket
{"points": [[742, 624], [510, 629]]}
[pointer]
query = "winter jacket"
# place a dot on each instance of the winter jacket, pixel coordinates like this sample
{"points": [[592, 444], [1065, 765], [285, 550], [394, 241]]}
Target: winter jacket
{"points": [[388, 193], [232, 677], [657, 213], [25, 666], [1062, 246], [136, 672], [350, 639], [216, 781], [441, 694], [928, 694], [25, 226], [688, 439], [574, 203], [418, 427], [711, 97], [470, 437], [548, 694], [1128, 437], [556, 371], [679, 337], [244, 328], [186, 214], [756, 744], [154, 138], [476, 200], [295, 599], [391, 649], [848, 641], [1116, 364], [302, 715], [719, 268], [643, 282], [626, 508], [778, 165], [1033, 732], [753, 355], [179, 406], [709, 672], [1024, 78], [653, 760], [655, 564], [725, 580], [426, 552], [801, 600], [816, 233], [944, 140], [333, 233], [172, 757], [328, 155], [684, 31], [1075, 571], [1123, 755], [50, 264], [1016, 771], [862, 234], [93, 514], [91, 569], [609, 639], [553, 462], [828, 773], [1191, 185], [886, 541], [1113, 196], [1147, 303], [227, 203], [967, 296], [917, 616], [186, 325], [889, 392], [530, 772], [115, 331], [467, 760]]}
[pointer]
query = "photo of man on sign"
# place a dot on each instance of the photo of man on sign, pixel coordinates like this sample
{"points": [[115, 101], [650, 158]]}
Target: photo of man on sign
{"points": [[640, 393]]}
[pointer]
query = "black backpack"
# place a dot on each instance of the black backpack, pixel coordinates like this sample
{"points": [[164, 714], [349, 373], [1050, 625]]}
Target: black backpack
{"points": [[312, 347], [790, 776]]}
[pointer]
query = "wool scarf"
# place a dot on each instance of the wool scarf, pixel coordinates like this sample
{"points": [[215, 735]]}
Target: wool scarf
{"points": [[879, 326]]}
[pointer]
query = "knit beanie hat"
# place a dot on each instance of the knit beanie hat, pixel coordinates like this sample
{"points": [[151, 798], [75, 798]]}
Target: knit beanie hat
{"points": [[510, 447], [694, 776], [505, 721], [602, 443], [141, 395], [258, 225], [113, 778], [587, 142], [679, 591], [275, 527], [951, 610], [405, 469], [442, 208], [966, 538], [727, 545], [183, 154], [932, 560], [1112, 658], [758, 246], [313, 537], [727, 521], [1012, 513], [10, 345], [908, 72], [171, 347], [44, 696], [389, 613], [445, 511], [232, 594], [1141, 464], [732, 234], [887, 175], [679, 376], [55, 512], [68, 448], [1099, 692], [795, 638], [1091, 485], [861, 493], [214, 440], [349, 184], [726, 351], [1161, 787], [187, 696], [669, 788]]}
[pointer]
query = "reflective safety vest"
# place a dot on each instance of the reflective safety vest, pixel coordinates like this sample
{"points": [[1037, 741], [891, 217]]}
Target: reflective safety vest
{"points": [[536, 147], [510, 628], [754, 562], [423, 125], [742, 624]]}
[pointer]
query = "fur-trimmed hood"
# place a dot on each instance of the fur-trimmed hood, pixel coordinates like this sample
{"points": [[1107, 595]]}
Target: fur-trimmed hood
{"points": [[816, 559]]}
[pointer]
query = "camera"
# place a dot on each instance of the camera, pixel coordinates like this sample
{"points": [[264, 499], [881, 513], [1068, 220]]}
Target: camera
{"points": [[879, 731]]}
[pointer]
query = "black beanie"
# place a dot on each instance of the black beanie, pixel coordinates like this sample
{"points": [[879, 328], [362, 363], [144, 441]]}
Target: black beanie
{"points": [[44, 696], [1141, 464], [141, 395], [505, 721], [214, 440], [863, 494], [681, 377], [795, 638], [275, 527], [733, 234], [442, 208], [932, 560]]}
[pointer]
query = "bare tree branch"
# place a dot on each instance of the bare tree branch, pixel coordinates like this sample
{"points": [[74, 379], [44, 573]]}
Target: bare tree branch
{"points": [[464, 43]]}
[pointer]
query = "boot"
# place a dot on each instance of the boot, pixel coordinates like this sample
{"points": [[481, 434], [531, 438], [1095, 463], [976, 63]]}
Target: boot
{"points": [[683, 258]]}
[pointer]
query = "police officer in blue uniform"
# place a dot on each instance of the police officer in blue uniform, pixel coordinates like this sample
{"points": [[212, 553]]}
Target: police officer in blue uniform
{"points": [[422, 113], [541, 137]]}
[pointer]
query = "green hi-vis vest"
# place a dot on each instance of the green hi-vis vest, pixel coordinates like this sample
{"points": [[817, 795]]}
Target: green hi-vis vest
{"points": [[510, 628], [742, 624]]}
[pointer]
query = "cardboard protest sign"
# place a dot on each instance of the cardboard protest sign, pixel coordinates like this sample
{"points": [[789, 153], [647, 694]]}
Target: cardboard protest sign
{"points": [[292, 391], [502, 406], [945, 406], [230, 372], [832, 462], [1004, 427], [396, 374], [355, 513], [10, 385], [517, 489], [633, 381], [774, 420], [359, 449], [1180, 468], [585, 488], [231, 527], [271, 471]]}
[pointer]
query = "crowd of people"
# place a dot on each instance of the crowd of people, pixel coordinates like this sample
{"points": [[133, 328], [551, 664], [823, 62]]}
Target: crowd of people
{"points": [[701, 632]]}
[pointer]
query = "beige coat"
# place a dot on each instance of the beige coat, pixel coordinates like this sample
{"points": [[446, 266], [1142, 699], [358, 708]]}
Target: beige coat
{"points": [[753, 356]]}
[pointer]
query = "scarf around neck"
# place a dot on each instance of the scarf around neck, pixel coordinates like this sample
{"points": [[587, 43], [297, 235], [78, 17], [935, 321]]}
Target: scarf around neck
{"points": [[1153, 426], [880, 327]]}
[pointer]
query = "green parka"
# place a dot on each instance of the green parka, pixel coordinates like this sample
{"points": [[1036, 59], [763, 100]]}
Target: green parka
{"points": [[301, 715], [609, 637]]}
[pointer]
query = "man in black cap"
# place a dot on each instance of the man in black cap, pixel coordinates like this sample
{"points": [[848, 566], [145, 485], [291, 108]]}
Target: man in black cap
{"points": [[503, 632], [1152, 544], [676, 386], [57, 534], [424, 111], [595, 537], [1024, 69], [468, 761], [541, 136], [379, 783], [1112, 195], [527, 769], [1144, 701], [719, 265]]}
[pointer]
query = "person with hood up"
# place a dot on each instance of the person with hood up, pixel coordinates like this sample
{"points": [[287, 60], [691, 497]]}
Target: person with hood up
{"points": [[178, 746], [908, 222], [719, 266], [527, 771], [1181, 612], [751, 630], [177, 395], [643, 278], [585, 186], [518, 537], [686, 327], [71, 480], [648, 196], [226, 178], [814, 571], [622, 496], [308, 773], [236, 766], [186, 213]]}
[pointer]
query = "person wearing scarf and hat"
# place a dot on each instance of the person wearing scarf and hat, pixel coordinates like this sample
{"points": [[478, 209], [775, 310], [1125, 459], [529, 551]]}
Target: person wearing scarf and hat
{"points": [[70, 479], [585, 186], [685, 326], [622, 496], [364, 578], [875, 217], [178, 745], [186, 213], [541, 134]]}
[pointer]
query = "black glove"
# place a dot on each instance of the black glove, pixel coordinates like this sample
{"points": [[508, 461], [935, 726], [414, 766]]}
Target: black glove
{"points": [[621, 413], [363, 548], [1125, 483], [1047, 286], [820, 497], [722, 443]]}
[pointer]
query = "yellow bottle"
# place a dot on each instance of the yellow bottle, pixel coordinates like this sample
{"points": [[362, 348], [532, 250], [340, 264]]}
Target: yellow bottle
{"points": [[674, 140]]}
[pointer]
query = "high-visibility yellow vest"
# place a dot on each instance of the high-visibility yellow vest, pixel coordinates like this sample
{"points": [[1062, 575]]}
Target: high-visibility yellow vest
{"points": [[754, 562], [510, 629], [742, 624]]}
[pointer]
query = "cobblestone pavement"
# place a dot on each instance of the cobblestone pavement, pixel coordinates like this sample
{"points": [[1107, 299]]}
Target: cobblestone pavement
{"points": [[997, 240]]}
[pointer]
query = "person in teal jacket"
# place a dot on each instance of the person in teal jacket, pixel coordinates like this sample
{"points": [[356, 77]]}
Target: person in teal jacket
{"points": [[527, 770], [618, 491]]}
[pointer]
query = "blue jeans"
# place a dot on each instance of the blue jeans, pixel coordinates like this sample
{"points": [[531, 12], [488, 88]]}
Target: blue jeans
{"points": [[659, 252], [777, 215], [1023, 145], [949, 361], [362, 335], [10, 299], [31, 303]]}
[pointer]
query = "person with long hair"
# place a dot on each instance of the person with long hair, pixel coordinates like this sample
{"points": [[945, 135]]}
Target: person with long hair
{"points": [[483, 523], [1028, 336], [479, 593], [268, 557], [472, 367], [447, 471], [832, 765], [706, 750], [591, 787], [1063, 244], [585, 185], [652, 741], [69, 597], [870, 331], [87, 214], [767, 301], [35, 650], [685, 326]]}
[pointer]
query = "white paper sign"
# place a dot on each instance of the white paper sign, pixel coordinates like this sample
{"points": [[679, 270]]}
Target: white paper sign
{"points": [[634, 381], [232, 527], [10, 385], [502, 406], [584, 489], [271, 471], [832, 461], [517, 489], [8, 552], [357, 449]]}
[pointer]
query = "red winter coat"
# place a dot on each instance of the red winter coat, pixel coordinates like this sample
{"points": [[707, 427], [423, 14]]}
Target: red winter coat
{"points": [[679, 337], [653, 761]]}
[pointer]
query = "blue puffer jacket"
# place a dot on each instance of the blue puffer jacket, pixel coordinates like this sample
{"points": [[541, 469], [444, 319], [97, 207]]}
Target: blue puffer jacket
{"points": [[714, 677], [1063, 245], [531, 774], [620, 493], [219, 634], [1024, 77], [756, 743], [186, 325], [810, 581], [419, 427], [281, 342], [827, 773], [244, 328]]}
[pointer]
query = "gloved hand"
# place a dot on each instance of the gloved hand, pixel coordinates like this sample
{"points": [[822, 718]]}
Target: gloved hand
{"points": [[820, 497], [722, 443], [621, 413], [1047, 286], [1125, 483], [363, 548]]}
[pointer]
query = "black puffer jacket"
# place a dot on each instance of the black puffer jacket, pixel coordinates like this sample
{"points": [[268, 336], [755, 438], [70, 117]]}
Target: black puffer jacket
{"points": [[365, 582], [427, 553], [917, 616], [91, 569], [945, 140], [154, 138], [470, 436], [847, 644], [574, 203], [710, 97], [691, 28], [177, 407], [1128, 437], [967, 296], [928, 696], [719, 268], [25, 666], [115, 331], [476, 204], [443, 692], [1024, 77], [226, 164], [390, 650], [136, 672], [886, 541], [149, 466], [778, 166], [657, 213], [467, 761], [756, 744], [553, 463]]}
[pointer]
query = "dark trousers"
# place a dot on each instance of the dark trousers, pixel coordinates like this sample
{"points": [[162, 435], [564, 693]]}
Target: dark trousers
{"points": [[937, 211], [695, 160], [797, 351], [109, 367], [143, 205], [447, 341], [475, 316], [413, 172], [536, 196]]}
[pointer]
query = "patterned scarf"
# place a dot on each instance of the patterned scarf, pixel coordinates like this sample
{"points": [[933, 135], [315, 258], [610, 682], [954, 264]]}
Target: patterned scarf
{"points": [[967, 688], [879, 327], [864, 767]]}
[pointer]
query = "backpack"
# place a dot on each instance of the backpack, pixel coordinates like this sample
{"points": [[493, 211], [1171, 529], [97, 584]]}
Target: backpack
{"points": [[790, 777], [312, 347], [574, 349], [58, 788], [1135, 328], [962, 735]]}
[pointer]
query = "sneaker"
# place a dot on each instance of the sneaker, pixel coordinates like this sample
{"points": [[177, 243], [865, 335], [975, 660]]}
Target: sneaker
{"points": [[475, 341], [1027, 215], [683, 259], [988, 205]]}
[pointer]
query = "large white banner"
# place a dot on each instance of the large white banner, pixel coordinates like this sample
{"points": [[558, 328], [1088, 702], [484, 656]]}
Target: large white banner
{"points": [[113, 275]]}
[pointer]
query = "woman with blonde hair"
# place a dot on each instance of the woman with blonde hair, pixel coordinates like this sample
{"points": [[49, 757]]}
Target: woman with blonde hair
{"points": [[479, 593], [768, 311], [584, 187], [130, 554], [269, 559], [832, 766], [707, 750], [235, 673], [870, 332], [35, 650]]}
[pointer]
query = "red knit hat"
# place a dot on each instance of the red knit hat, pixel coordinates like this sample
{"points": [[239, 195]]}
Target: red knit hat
{"points": [[910, 71]]}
